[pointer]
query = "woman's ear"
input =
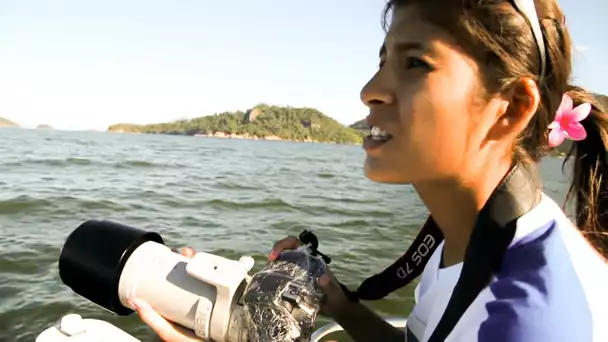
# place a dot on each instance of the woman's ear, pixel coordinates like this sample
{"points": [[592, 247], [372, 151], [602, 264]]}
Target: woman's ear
{"points": [[517, 106]]}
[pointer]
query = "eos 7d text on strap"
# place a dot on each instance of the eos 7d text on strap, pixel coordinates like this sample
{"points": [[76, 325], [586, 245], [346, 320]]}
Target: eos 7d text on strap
{"points": [[402, 271]]}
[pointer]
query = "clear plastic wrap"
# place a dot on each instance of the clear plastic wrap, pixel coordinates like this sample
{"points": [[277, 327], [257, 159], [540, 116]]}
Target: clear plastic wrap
{"points": [[282, 300]]}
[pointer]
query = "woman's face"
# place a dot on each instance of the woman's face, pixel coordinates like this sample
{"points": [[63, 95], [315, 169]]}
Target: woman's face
{"points": [[426, 97]]}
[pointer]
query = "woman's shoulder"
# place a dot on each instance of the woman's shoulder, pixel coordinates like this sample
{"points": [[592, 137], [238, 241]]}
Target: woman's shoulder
{"points": [[549, 287], [542, 294], [546, 300], [545, 237]]}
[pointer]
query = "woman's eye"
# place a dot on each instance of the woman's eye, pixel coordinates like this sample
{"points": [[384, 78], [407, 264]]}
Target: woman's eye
{"points": [[413, 62]]}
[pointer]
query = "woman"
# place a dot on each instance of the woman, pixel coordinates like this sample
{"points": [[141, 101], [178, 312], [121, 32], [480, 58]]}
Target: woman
{"points": [[464, 91]]}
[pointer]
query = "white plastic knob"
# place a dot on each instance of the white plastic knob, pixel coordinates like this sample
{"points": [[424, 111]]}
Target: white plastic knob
{"points": [[72, 325], [247, 261]]}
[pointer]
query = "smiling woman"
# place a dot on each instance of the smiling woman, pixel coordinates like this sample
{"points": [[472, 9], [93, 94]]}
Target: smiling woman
{"points": [[466, 92], [468, 97], [420, 97]]}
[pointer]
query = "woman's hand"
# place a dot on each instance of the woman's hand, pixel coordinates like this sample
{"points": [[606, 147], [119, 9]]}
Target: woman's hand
{"points": [[335, 299], [165, 330]]}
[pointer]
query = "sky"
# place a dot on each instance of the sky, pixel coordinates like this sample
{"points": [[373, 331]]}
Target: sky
{"points": [[86, 64]]}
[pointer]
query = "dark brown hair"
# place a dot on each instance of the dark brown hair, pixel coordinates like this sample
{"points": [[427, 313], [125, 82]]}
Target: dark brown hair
{"points": [[500, 38]]}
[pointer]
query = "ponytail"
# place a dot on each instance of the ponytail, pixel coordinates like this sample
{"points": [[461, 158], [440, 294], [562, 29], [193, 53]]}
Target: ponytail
{"points": [[590, 177]]}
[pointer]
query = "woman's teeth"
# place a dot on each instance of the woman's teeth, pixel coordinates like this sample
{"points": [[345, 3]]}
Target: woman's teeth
{"points": [[377, 133]]}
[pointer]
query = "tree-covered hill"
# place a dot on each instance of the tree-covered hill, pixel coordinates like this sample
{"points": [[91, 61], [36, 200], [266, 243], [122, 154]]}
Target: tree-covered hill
{"points": [[261, 122], [360, 126], [7, 123]]}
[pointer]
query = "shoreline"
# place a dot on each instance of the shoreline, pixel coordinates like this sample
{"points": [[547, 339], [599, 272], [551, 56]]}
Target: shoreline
{"points": [[222, 135]]}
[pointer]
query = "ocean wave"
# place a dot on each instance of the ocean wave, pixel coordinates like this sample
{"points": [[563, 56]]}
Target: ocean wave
{"points": [[279, 205], [234, 186], [268, 204], [326, 175], [352, 223], [27, 262], [49, 162], [28, 204], [79, 161], [345, 199], [368, 212], [137, 164], [22, 204]]}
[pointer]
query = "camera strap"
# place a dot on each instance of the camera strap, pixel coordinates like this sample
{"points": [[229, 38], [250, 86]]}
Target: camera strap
{"points": [[493, 232]]}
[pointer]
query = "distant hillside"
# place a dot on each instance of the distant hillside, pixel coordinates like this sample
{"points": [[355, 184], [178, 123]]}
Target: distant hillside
{"points": [[359, 125], [44, 126], [6, 123], [261, 122]]}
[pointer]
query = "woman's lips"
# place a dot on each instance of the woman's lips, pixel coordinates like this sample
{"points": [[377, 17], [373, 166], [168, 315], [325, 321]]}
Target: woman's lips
{"points": [[376, 138]]}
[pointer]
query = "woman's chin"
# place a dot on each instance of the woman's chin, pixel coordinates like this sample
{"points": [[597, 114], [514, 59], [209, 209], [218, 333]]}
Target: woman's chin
{"points": [[384, 175]]}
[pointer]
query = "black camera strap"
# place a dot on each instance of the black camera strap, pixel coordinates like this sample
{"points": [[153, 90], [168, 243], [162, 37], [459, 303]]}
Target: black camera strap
{"points": [[402, 271], [493, 232]]}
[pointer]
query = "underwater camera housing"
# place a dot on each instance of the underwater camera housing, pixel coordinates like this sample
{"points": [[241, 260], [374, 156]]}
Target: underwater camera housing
{"points": [[285, 296]]}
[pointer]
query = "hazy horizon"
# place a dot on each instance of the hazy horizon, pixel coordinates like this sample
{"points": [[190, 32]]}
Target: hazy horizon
{"points": [[78, 65]]}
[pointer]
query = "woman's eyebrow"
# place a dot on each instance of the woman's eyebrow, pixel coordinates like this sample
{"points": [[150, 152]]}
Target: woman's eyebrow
{"points": [[403, 46]]}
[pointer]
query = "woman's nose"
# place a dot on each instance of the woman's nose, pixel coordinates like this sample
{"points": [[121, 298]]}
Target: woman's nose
{"points": [[376, 92]]}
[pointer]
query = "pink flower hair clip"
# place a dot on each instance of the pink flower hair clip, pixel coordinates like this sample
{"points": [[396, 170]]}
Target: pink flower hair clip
{"points": [[567, 122]]}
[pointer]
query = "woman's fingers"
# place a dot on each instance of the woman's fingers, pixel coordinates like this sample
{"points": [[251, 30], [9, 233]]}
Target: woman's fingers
{"points": [[329, 285], [185, 251], [290, 242], [165, 330], [188, 252]]}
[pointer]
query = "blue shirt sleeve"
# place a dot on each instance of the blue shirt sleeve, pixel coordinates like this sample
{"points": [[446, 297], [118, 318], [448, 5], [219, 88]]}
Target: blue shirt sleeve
{"points": [[538, 295]]}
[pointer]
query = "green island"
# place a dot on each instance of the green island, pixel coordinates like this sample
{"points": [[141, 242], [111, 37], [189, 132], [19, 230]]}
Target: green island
{"points": [[263, 122], [7, 123]]}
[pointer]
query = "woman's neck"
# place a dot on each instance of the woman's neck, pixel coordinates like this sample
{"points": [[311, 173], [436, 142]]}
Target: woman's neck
{"points": [[454, 205]]}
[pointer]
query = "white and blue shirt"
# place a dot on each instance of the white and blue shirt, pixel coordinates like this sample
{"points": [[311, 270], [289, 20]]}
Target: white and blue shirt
{"points": [[553, 286]]}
